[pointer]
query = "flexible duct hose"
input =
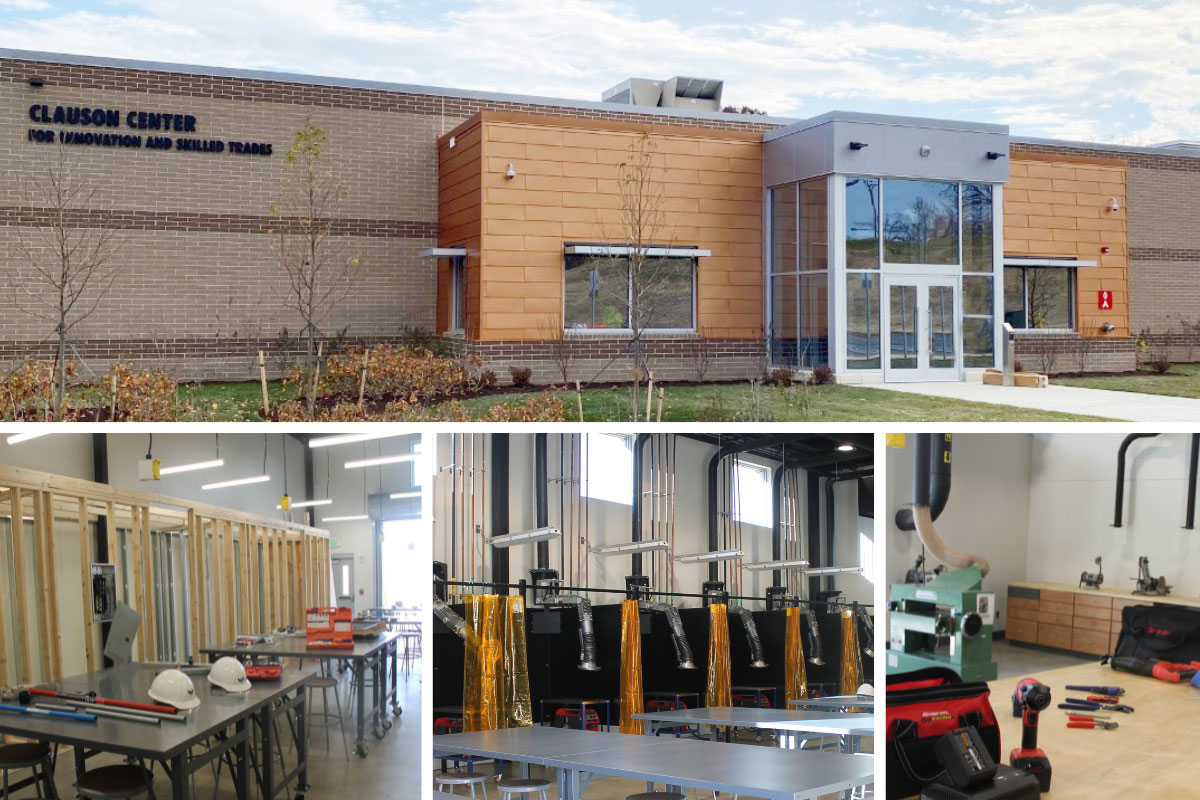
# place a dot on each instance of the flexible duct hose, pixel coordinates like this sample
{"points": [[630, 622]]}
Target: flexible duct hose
{"points": [[934, 544], [683, 651], [756, 648], [587, 633], [814, 638], [453, 621], [868, 638]]}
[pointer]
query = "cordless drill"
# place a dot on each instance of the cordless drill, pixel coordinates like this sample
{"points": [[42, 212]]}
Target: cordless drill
{"points": [[1029, 699]]}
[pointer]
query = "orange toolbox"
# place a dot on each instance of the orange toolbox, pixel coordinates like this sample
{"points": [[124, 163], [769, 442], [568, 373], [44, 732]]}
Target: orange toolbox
{"points": [[330, 628]]}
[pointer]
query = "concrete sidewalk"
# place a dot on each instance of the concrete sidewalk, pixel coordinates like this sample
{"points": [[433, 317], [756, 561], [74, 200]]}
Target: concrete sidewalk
{"points": [[1130, 406]]}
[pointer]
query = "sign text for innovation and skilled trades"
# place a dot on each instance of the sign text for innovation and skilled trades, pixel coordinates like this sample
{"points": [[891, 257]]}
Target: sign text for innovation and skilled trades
{"points": [[94, 127]]}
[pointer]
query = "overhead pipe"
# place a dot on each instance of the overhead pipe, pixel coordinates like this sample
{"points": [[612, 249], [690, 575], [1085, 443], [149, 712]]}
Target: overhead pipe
{"points": [[936, 482], [683, 651], [587, 632], [639, 447], [776, 521], [1119, 507], [756, 648], [922, 513], [499, 506], [1193, 468], [541, 494]]}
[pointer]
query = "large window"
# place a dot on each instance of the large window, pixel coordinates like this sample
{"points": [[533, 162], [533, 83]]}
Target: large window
{"points": [[458, 288], [862, 223], [599, 292], [977, 249], [753, 484], [607, 460], [920, 222], [978, 316], [862, 321], [1039, 297]]}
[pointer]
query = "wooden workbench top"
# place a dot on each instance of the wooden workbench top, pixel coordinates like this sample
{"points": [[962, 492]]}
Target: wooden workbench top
{"points": [[1151, 754], [1116, 594]]}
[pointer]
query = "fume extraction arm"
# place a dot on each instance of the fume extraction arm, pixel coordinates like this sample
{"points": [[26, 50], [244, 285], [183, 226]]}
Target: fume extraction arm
{"points": [[683, 651], [756, 648]]}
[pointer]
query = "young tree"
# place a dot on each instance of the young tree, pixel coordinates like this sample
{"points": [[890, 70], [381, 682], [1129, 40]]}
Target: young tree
{"points": [[320, 271], [72, 266]]}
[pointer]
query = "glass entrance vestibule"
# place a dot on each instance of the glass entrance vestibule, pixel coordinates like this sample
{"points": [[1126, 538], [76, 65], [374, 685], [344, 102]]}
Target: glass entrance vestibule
{"points": [[891, 271]]}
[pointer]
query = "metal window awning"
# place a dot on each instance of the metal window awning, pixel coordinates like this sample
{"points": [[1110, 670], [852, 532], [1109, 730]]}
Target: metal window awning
{"points": [[443, 252], [625, 250], [1042, 261]]}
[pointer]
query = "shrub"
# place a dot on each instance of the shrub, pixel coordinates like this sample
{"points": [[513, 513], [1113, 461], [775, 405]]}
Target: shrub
{"points": [[782, 376], [520, 376], [394, 373], [486, 379], [1158, 364], [142, 396], [1018, 366], [412, 338], [822, 375], [543, 407], [28, 391]]}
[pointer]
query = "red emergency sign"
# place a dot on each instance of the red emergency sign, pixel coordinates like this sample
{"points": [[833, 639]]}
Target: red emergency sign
{"points": [[1104, 300]]}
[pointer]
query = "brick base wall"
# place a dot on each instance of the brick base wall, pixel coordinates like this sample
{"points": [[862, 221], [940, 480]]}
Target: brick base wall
{"points": [[1179, 347], [670, 359], [1054, 353]]}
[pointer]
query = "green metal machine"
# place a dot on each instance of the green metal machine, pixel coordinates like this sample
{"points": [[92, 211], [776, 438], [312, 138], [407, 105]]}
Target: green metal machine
{"points": [[946, 622]]}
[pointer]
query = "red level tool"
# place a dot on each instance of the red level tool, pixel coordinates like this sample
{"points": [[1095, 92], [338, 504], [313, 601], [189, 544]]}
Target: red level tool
{"points": [[104, 701]]}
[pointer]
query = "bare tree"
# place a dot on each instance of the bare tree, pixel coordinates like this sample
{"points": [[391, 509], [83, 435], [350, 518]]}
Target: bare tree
{"points": [[320, 272], [562, 348], [73, 266]]}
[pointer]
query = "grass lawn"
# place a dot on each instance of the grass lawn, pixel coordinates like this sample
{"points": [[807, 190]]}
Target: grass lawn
{"points": [[230, 402], [1182, 381]]}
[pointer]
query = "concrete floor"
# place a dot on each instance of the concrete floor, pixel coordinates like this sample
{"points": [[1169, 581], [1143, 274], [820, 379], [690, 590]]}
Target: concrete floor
{"points": [[1015, 661], [392, 768], [608, 788]]}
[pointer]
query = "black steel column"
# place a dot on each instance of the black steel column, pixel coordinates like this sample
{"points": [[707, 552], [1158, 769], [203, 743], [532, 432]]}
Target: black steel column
{"points": [[499, 516]]}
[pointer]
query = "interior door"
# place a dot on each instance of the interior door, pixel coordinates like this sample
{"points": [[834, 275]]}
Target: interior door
{"points": [[343, 580], [923, 341]]}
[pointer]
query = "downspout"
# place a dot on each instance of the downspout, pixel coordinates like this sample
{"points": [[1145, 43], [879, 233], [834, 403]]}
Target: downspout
{"points": [[756, 648], [1119, 507], [683, 651], [639, 447], [541, 496], [922, 513], [1193, 468]]}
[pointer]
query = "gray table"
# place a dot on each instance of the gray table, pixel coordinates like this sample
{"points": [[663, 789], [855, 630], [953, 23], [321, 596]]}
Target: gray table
{"points": [[376, 651], [837, 702], [170, 742], [743, 769], [848, 727]]}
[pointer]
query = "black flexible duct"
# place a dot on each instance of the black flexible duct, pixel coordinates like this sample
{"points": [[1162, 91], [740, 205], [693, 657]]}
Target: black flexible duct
{"points": [[1119, 507], [868, 628], [756, 648], [587, 632], [453, 621], [933, 486], [683, 651], [541, 494], [1193, 468], [814, 638]]}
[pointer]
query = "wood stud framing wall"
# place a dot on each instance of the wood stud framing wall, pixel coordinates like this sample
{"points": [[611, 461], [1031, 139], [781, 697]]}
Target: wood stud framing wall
{"points": [[281, 568]]}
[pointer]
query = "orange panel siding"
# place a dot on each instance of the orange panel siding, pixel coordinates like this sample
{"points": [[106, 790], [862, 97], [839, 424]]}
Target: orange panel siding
{"points": [[1059, 207]]}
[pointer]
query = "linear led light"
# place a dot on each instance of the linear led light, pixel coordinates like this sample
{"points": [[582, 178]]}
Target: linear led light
{"points": [[349, 518], [403, 495], [347, 438], [236, 482], [644, 546], [195, 465], [305, 504], [787, 563], [17, 438], [831, 570], [524, 537], [716, 555], [375, 462], [845, 447]]}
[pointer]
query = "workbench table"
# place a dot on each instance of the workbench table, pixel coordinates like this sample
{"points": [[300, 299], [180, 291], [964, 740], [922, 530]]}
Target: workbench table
{"points": [[1149, 755], [849, 728], [841, 702], [169, 743], [749, 770], [375, 651]]}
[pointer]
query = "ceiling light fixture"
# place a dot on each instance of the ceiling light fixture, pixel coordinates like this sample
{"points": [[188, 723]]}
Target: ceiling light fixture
{"points": [[17, 438], [788, 563], [348, 438], [305, 504], [845, 448], [524, 537], [716, 555], [644, 546], [831, 570], [403, 495], [350, 518], [195, 465], [236, 482], [381, 460]]}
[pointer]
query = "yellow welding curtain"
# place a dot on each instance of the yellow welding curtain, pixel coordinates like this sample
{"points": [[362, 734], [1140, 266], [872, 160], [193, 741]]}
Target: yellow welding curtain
{"points": [[719, 692], [631, 667], [496, 667], [795, 676], [852, 671]]}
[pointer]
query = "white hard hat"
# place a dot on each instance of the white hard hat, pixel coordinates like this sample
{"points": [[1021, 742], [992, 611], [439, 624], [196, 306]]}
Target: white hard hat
{"points": [[866, 689], [174, 688], [229, 674]]}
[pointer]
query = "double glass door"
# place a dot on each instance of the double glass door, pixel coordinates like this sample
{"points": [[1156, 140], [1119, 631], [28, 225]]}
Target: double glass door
{"points": [[923, 341]]}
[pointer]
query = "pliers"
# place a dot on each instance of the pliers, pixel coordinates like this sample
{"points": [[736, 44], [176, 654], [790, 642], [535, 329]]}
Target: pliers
{"points": [[1078, 722], [1088, 705], [1077, 714]]}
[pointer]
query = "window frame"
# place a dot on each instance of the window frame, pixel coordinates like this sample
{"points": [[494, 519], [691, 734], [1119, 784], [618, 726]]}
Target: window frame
{"points": [[458, 295], [882, 216], [586, 477], [1073, 300], [767, 473], [627, 329]]}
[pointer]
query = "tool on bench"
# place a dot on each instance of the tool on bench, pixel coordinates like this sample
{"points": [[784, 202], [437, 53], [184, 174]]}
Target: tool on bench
{"points": [[90, 697], [1029, 699], [1091, 723], [1092, 580], [1147, 584], [90, 708], [105, 713], [969, 773], [1096, 698], [1111, 691], [1085, 705], [1080, 714], [46, 713], [1168, 671]]}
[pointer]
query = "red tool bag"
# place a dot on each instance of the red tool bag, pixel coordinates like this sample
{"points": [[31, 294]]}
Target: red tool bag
{"points": [[923, 706], [1158, 633]]}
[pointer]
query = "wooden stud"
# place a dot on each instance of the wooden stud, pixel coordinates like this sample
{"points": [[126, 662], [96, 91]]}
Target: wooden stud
{"points": [[203, 636], [3, 640], [298, 568], [148, 622], [136, 571], [230, 598], [255, 588], [193, 606], [85, 582], [43, 579], [18, 549], [110, 520], [54, 632]]}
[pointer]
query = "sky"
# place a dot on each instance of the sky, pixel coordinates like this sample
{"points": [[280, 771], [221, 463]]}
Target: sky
{"points": [[1096, 71]]}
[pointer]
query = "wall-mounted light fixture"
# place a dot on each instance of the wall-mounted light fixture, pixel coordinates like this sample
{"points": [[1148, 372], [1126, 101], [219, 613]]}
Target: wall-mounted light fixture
{"points": [[644, 546], [1108, 327], [510, 173], [993, 155], [858, 145], [789, 563], [1113, 205], [524, 537], [717, 555], [37, 81]]}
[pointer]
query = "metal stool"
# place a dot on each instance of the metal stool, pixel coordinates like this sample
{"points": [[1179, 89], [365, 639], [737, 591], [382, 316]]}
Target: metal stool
{"points": [[511, 787], [657, 796], [115, 782], [468, 779], [32, 756], [325, 684]]}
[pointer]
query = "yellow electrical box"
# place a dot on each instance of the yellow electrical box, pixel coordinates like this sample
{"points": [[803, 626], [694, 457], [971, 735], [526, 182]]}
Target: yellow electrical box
{"points": [[895, 440], [285, 502]]}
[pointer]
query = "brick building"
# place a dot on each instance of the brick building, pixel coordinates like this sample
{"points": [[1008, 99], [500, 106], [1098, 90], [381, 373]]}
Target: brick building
{"points": [[888, 248]]}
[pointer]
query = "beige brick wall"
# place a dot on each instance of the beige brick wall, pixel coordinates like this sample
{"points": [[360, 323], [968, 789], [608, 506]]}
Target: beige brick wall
{"points": [[1164, 236]]}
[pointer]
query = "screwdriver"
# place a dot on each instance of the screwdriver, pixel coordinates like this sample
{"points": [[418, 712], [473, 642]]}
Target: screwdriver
{"points": [[1116, 691]]}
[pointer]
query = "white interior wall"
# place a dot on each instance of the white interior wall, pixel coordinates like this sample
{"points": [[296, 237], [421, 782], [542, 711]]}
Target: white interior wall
{"points": [[67, 454], [988, 512], [610, 523], [1071, 510]]}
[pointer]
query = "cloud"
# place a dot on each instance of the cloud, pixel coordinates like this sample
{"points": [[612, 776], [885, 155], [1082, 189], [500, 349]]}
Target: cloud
{"points": [[25, 5], [1047, 71]]}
